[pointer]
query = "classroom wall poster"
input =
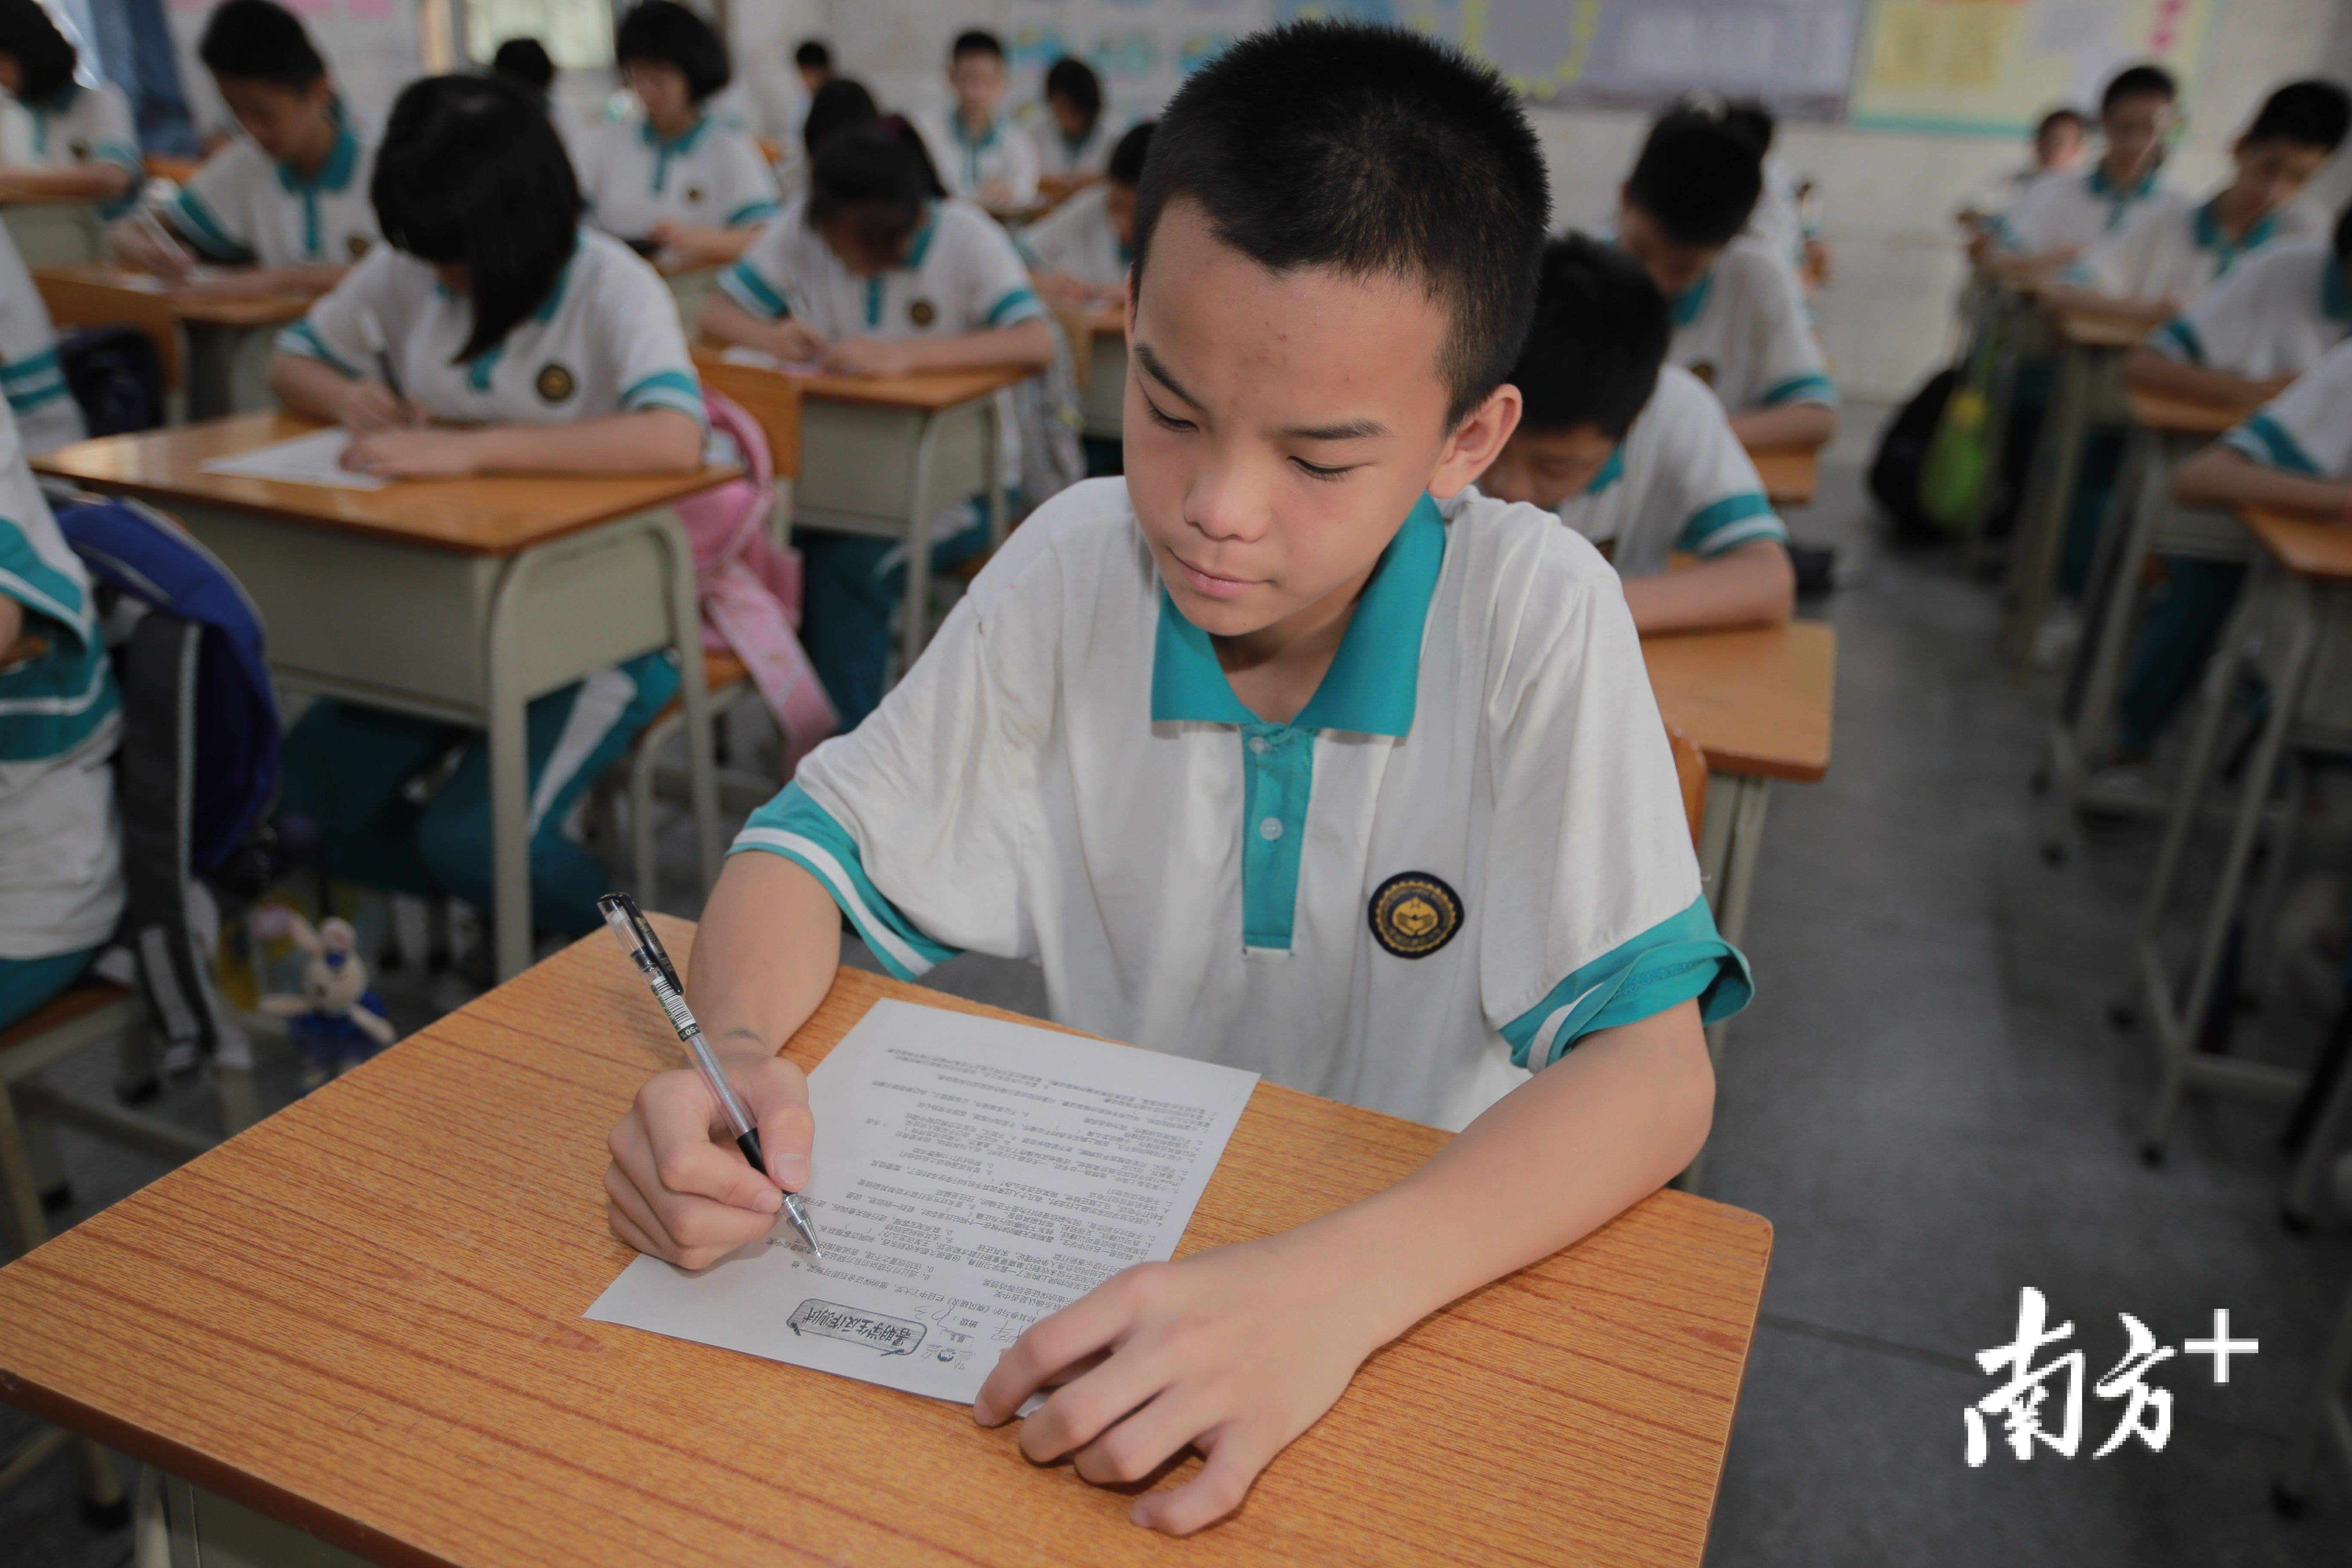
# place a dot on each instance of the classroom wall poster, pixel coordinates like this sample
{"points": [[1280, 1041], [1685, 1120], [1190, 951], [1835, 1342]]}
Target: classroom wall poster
{"points": [[1996, 67]]}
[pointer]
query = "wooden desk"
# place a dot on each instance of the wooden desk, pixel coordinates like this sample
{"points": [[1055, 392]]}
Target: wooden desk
{"points": [[478, 595], [886, 455], [363, 1316], [1791, 474], [228, 339], [163, 166], [2184, 416], [1098, 349]]}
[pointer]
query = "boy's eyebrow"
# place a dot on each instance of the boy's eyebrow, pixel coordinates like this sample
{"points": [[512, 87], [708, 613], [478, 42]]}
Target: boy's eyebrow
{"points": [[1352, 430], [1150, 363]]}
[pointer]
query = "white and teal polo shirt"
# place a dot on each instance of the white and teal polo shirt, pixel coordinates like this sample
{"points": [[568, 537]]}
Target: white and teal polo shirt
{"points": [[61, 857], [1464, 854], [1079, 240], [1679, 480], [1741, 329], [967, 165], [1089, 155], [2071, 210], [2277, 313], [710, 177], [44, 414], [2172, 249], [962, 275], [89, 124], [2307, 428], [242, 207], [605, 341]]}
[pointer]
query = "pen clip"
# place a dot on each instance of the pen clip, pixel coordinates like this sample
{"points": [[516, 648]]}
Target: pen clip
{"points": [[629, 923]]}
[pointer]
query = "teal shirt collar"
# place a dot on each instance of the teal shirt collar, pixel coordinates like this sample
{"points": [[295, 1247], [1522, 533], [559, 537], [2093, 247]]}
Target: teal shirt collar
{"points": [[1611, 472], [2207, 231], [916, 251], [1371, 686], [336, 171], [965, 138], [2100, 186], [554, 301], [677, 146], [1692, 301], [2334, 291]]}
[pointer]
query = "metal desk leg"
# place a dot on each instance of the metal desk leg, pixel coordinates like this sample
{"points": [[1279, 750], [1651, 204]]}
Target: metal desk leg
{"points": [[1729, 838], [2320, 1148], [2057, 462], [2079, 734]]}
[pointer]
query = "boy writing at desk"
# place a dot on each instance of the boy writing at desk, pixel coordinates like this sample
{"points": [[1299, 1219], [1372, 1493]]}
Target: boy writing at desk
{"points": [[1266, 754]]}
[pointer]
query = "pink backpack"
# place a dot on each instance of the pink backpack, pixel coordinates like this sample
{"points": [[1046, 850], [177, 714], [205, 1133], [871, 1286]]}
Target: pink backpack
{"points": [[751, 590]]}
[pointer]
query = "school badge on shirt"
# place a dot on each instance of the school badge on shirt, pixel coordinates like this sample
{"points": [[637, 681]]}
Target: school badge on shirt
{"points": [[357, 245], [922, 312], [80, 151], [1703, 372], [1415, 913], [694, 195], [555, 383]]}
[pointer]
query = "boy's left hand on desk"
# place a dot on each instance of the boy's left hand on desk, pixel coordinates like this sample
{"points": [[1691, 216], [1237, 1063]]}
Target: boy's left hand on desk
{"points": [[869, 356], [1234, 1351], [415, 454]]}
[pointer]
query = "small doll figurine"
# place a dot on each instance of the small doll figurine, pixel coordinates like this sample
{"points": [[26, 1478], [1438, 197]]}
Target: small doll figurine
{"points": [[338, 1021]]}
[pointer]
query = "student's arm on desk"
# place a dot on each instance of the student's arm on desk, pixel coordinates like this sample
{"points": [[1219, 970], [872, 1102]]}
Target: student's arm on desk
{"points": [[1789, 424], [2161, 375], [247, 282], [2071, 297], [723, 321], [706, 244], [1752, 585], [1237, 1350], [2217, 476], [1029, 342], [311, 386], [83, 182]]}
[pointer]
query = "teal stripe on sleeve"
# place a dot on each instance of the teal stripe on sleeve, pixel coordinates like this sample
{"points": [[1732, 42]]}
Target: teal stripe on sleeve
{"points": [[1018, 306], [2178, 340], [195, 222], [1734, 519], [673, 389], [35, 585], [1677, 959], [1809, 387], [751, 213], [27, 400], [743, 285], [2267, 441], [124, 157], [795, 826], [32, 367], [303, 338]]}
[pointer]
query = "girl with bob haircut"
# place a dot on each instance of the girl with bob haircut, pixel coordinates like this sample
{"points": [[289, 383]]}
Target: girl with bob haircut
{"points": [[84, 145], [676, 181], [1074, 136]]}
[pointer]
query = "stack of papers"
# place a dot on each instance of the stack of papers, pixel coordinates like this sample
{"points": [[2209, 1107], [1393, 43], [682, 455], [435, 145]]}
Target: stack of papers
{"points": [[313, 459]]}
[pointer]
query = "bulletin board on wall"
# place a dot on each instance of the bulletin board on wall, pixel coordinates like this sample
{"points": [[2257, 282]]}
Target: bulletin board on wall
{"points": [[1996, 67]]}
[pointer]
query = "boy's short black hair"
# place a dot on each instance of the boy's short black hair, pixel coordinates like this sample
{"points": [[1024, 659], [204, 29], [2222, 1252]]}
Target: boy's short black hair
{"points": [[975, 41], [813, 56], [899, 126], [1600, 334], [841, 104], [1751, 118], [1071, 78], [873, 180], [2139, 82], [1127, 158], [2062, 115], [471, 170], [663, 32], [526, 63], [45, 59], [2311, 113], [1698, 178], [1374, 151], [259, 40]]}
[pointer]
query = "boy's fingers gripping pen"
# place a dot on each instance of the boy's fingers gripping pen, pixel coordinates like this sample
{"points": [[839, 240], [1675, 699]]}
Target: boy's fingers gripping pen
{"points": [[645, 950]]}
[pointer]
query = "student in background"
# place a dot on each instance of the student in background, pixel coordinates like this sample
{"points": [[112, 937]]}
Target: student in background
{"points": [[1077, 254], [1738, 313], [534, 347], [978, 154], [2174, 249], [1104, 763], [1074, 135], [32, 381], [841, 104], [2060, 139], [84, 145], [873, 276], [2062, 215], [289, 199], [1634, 454], [2295, 452], [676, 180], [812, 68], [61, 889], [1777, 223]]}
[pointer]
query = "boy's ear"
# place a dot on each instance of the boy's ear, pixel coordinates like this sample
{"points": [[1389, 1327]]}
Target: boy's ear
{"points": [[1476, 442]]}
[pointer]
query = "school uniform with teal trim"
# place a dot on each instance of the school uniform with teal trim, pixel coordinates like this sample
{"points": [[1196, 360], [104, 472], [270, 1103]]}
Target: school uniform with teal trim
{"points": [[710, 177], [968, 164], [606, 341], [2307, 428], [1464, 854], [243, 207], [1741, 329], [1679, 480], [2277, 313], [1059, 155], [2071, 210], [89, 124], [1079, 240], [2173, 248], [41, 405], [60, 717], [962, 275]]}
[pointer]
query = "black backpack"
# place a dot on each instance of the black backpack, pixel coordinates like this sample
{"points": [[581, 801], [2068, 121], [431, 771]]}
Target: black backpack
{"points": [[117, 376], [1902, 457]]}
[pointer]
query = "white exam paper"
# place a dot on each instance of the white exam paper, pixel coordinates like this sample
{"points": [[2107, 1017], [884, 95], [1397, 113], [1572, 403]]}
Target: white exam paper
{"points": [[757, 360], [313, 459], [969, 1177]]}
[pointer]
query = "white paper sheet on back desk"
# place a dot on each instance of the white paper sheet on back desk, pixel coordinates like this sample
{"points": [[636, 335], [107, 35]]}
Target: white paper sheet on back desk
{"points": [[970, 1177]]}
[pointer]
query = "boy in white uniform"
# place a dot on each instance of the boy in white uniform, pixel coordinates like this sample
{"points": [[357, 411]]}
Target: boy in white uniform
{"points": [[1077, 254], [1738, 313], [2060, 215], [288, 198], [870, 277], [1268, 756], [977, 153], [2295, 452], [1074, 136], [85, 142], [1634, 455], [676, 179], [60, 719], [44, 413]]}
